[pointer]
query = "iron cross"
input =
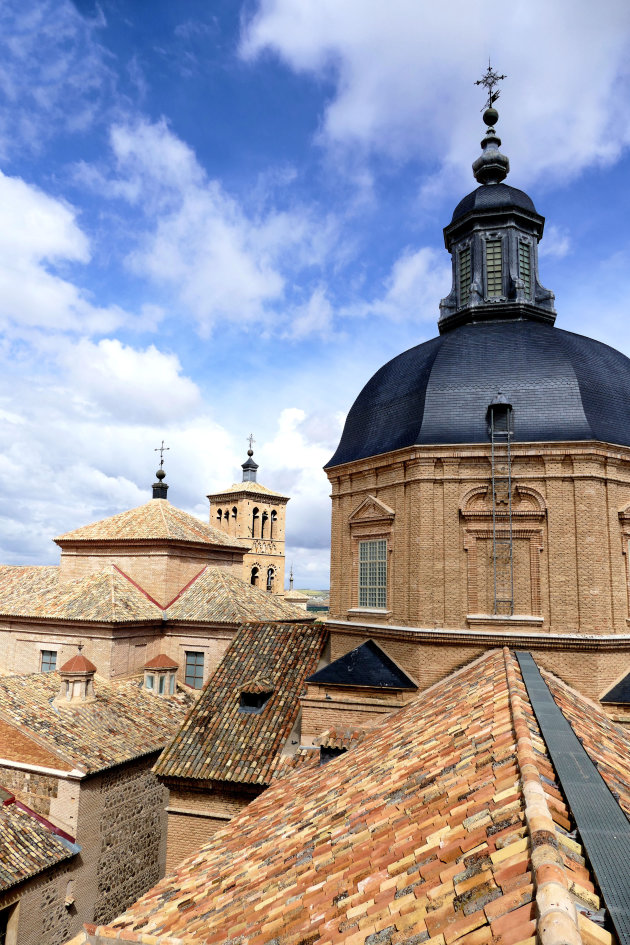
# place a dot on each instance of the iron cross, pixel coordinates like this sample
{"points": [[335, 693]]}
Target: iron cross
{"points": [[161, 450], [251, 440], [490, 79]]}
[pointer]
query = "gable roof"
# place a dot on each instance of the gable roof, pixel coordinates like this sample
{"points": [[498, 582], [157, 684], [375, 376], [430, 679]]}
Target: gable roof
{"points": [[620, 692], [221, 596], [367, 665], [446, 822], [124, 722], [217, 741], [27, 844], [103, 596], [156, 520]]}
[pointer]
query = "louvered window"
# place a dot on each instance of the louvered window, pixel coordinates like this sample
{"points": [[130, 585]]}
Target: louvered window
{"points": [[373, 573], [464, 276], [525, 266], [494, 269]]}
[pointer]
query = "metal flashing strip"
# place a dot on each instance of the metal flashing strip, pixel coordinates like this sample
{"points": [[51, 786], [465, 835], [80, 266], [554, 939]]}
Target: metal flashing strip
{"points": [[603, 826]]}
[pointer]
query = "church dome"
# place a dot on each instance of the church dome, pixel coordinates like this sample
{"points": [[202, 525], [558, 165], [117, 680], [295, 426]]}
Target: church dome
{"points": [[497, 336], [494, 197], [561, 386]]}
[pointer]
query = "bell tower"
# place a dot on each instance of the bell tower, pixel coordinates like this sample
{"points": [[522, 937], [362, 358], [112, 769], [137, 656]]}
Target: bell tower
{"points": [[256, 515]]}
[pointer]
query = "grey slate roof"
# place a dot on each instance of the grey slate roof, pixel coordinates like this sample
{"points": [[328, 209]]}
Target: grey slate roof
{"points": [[562, 386], [491, 198], [366, 665]]}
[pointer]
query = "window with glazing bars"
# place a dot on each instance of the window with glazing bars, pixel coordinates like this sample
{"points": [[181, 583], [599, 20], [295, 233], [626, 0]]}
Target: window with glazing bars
{"points": [[464, 276], [48, 661], [194, 669], [373, 573], [525, 266], [494, 269]]}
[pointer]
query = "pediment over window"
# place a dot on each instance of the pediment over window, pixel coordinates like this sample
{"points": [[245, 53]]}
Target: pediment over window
{"points": [[525, 502], [371, 510]]}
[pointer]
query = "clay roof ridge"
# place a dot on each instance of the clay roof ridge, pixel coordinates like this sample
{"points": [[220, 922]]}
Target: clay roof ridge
{"points": [[137, 586], [48, 743], [557, 915]]}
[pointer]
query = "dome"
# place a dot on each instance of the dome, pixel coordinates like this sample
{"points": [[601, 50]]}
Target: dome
{"points": [[562, 386], [493, 197]]}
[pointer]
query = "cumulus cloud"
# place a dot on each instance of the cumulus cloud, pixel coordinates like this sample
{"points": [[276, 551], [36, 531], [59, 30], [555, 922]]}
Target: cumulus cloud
{"points": [[38, 234], [403, 76], [556, 242]]}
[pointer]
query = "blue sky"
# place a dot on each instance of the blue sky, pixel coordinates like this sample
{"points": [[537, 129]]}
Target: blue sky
{"points": [[222, 218]]}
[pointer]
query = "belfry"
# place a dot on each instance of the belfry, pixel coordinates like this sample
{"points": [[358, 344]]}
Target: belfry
{"points": [[481, 487]]}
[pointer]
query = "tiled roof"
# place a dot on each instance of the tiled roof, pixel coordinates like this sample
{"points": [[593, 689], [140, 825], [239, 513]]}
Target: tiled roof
{"points": [[78, 664], [27, 846], [217, 741], [446, 824], [220, 595], [124, 722], [155, 520], [253, 487], [104, 596], [161, 661]]}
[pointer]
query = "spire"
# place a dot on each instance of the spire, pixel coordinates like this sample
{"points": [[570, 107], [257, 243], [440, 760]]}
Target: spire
{"points": [[160, 488], [491, 167], [493, 239], [249, 467]]}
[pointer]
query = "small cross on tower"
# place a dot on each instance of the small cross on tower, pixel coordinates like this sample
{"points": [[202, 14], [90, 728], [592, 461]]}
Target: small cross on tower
{"points": [[161, 450], [251, 441], [490, 79]]}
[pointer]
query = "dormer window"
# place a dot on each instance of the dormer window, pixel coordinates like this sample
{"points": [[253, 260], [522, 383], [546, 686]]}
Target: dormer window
{"points": [[525, 266], [494, 269], [464, 275], [160, 675], [253, 702]]}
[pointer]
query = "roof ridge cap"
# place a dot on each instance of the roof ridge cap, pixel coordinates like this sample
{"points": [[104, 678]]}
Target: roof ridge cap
{"points": [[557, 916]]}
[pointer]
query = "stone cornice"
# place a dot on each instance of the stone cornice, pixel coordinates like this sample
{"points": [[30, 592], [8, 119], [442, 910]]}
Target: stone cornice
{"points": [[503, 637]]}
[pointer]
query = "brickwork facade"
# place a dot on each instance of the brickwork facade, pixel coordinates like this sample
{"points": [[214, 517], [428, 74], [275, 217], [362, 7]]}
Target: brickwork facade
{"points": [[259, 517], [195, 815], [345, 707]]}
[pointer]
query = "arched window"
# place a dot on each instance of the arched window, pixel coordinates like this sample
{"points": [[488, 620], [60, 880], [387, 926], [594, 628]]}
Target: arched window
{"points": [[219, 516], [226, 517], [274, 522], [254, 577], [270, 578], [255, 521], [263, 526], [234, 511]]}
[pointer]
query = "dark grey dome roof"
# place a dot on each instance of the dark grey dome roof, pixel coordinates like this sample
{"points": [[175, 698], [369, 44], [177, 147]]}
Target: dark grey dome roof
{"points": [[562, 386], [492, 197]]}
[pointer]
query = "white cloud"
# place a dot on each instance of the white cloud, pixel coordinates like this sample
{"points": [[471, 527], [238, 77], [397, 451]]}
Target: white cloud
{"points": [[556, 242], [403, 75], [142, 385], [53, 74], [37, 234]]}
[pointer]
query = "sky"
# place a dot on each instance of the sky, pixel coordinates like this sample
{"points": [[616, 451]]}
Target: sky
{"points": [[221, 218]]}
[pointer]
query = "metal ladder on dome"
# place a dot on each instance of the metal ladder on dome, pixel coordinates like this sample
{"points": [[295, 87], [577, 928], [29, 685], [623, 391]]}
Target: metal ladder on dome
{"points": [[500, 414]]}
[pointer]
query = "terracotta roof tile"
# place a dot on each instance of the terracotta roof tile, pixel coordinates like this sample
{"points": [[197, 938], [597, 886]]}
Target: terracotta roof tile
{"points": [[221, 596], [425, 831], [124, 722], [103, 596], [161, 661], [218, 741], [27, 846], [78, 664], [156, 519]]}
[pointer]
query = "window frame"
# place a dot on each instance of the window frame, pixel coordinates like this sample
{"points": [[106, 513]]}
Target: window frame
{"points": [[372, 580], [44, 657], [497, 280], [194, 665]]}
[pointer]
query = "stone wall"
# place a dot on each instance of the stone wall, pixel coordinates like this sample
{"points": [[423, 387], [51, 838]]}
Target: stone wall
{"points": [[40, 915]]}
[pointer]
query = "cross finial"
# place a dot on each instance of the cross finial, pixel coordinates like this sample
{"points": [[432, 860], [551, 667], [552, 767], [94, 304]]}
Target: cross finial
{"points": [[490, 80], [161, 450], [251, 440]]}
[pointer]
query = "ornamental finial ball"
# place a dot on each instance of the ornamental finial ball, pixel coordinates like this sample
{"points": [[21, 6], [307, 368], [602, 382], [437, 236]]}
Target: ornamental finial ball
{"points": [[160, 474], [250, 452], [490, 116]]}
